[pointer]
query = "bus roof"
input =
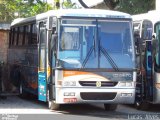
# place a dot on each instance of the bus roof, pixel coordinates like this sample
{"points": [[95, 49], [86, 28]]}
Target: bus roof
{"points": [[151, 15], [92, 13]]}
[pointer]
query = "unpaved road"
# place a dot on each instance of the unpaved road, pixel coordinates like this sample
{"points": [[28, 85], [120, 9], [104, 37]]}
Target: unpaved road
{"points": [[16, 105]]}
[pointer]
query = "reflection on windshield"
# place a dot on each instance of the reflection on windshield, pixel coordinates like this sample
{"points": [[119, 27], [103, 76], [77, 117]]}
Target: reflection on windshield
{"points": [[147, 30], [70, 38], [96, 44]]}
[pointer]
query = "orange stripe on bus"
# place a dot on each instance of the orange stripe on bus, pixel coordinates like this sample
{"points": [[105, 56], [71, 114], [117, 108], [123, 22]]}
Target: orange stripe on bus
{"points": [[72, 73]]}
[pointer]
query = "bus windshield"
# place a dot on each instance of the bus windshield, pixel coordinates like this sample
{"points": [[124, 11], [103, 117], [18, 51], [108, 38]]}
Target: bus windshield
{"points": [[157, 53], [147, 30], [95, 44]]}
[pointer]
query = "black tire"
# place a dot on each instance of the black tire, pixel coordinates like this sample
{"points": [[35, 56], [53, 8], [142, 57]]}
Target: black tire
{"points": [[110, 107], [23, 94], [15, 76], [142, 105], [51, 103], [53, 106], [3, 97]]}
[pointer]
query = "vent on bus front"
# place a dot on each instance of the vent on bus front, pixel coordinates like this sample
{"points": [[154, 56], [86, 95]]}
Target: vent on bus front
{"points": [[98, 96], [93, 83]]}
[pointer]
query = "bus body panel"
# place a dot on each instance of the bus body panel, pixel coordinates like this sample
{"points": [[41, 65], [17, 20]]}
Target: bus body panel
{"points": [[25, 61], [156, 95], [88, 87], [101, 95]]}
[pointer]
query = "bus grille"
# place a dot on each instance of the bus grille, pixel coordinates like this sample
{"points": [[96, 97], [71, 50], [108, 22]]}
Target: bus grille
{"points": [[97, 96], [93, 83]]}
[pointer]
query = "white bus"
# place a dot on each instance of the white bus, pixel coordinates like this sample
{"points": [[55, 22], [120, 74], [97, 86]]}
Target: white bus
{"points": [[148, 83], [74, 56]]}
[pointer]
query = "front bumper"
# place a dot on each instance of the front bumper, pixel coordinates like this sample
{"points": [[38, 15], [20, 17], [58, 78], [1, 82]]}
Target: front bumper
{"points": [[97, 95]]}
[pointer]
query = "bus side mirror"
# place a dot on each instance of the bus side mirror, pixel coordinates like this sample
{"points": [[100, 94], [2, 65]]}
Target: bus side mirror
{"points": [[53, 44], [54, 40], [136, 38], [53, 30], [137, 43]]}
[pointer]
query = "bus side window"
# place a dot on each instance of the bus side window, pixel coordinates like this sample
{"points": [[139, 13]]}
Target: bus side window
{"points": [[11, 36], [42, 38], [15, 36], [42, 33], [33, 34], [24, 34], [21, 34], [27, 34]]}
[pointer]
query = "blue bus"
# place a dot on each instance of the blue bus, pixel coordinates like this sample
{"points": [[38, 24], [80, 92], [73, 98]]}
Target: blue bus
{"points": [[74, 56]]}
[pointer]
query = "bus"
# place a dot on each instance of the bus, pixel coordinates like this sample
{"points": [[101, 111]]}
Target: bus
{"points": [[156, 63], [147, 87], [144, 85], [74, 56]]}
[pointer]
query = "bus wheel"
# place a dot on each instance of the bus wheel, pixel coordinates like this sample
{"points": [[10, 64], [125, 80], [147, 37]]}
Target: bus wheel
{"points": [[3, 97], [110, 107], [23, 94], [142, 105], [52, 105]]}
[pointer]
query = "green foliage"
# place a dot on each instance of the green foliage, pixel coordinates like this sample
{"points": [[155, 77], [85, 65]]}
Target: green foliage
{"points": [[131, 6], [68, 4], [8, 8], [111, 3], [136, 6]]}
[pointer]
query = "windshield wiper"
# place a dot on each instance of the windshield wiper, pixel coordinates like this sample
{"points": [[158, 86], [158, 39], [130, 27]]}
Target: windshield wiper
{"points": [[90, 52], [87, 56], [109, 58]]}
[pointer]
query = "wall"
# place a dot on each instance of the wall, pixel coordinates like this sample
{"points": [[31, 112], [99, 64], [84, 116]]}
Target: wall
{"points": [[4, 37]]}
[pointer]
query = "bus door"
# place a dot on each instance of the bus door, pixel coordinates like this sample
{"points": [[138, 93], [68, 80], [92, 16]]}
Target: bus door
{"points": [[42, 61]]}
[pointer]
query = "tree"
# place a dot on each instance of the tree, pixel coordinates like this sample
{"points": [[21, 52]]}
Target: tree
{"points": [[111, 4], [136, 6], [65, 4], [10, 10], [129, 6], [68, 4]]}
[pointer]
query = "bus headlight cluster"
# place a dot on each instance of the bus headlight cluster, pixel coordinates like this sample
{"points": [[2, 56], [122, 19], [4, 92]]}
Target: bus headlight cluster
{"points": [[69, 83], [69, 93], [126, 94], [126, 84]]}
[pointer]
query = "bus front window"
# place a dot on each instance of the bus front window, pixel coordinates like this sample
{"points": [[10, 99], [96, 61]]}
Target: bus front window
{"points": [[116, 44], [95, 44], [76, 39]]}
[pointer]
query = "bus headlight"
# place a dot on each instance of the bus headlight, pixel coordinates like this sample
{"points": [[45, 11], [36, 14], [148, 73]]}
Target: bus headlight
{"points": [[126, 84], [69, 83], [122, 84]]}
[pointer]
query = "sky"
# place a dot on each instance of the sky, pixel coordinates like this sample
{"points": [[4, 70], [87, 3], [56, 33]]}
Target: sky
{"points": [[88, 2]]}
